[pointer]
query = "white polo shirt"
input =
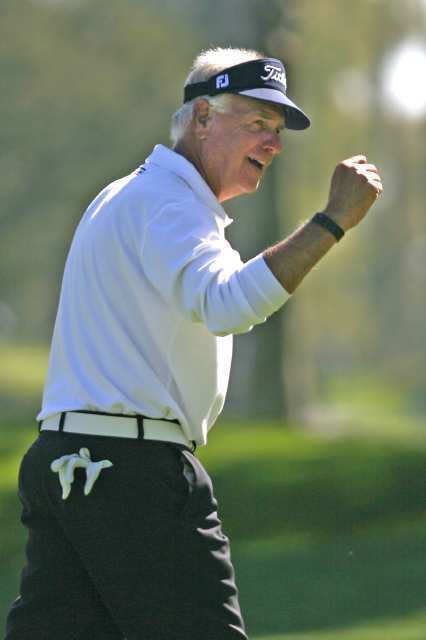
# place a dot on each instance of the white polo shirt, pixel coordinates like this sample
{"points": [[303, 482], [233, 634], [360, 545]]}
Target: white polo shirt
{"points": [[151, 295]]}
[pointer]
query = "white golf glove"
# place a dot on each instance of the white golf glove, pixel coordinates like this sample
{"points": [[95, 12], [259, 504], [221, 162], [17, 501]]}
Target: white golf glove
{"points": [[66, 465]]}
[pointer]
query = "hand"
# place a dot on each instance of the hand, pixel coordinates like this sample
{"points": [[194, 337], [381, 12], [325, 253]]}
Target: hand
{"points": [[355, 186]]}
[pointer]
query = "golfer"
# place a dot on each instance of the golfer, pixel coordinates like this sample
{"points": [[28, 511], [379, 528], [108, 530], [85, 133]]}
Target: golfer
{"points": [[124, 535]]}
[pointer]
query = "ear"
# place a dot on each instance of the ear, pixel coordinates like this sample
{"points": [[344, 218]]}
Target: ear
{"points": [[201, 118]]}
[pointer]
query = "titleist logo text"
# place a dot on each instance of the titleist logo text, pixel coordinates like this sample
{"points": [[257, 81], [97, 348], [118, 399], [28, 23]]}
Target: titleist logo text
{"points": [[274, 73]]}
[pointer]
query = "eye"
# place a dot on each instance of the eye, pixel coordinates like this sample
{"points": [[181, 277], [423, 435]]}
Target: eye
{"points": [[256, 126]]}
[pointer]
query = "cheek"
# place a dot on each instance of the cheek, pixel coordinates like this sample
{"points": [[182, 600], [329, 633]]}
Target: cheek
{"points": [[239, 153], [224, 152], [229, 155], [232, 160]]}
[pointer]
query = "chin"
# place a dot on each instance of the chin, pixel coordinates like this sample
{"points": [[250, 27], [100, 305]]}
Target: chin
{"points": [[243, 189], [251, 187]]}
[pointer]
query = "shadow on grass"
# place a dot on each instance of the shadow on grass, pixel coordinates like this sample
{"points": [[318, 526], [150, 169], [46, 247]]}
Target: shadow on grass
{"points": [[328, 490], [338, 584]]}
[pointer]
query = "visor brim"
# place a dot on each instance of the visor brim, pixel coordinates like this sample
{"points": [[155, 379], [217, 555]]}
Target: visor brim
{"points": [[295, 118]]}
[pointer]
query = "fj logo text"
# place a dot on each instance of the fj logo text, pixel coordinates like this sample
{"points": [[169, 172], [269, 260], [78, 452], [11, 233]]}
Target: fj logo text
{"points": [[222, 81]]}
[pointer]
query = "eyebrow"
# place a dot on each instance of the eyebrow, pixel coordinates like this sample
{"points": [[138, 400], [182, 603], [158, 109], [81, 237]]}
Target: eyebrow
{"points": [[264, 114], [269, 116]]}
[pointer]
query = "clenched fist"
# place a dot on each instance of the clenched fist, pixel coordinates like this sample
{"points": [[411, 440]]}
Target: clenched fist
{"points": [[355, 186]]}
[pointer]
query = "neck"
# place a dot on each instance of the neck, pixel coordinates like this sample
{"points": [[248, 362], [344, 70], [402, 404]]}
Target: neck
{"points": [[192, 153]]}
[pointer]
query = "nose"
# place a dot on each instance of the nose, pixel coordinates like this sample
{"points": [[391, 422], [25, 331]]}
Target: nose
{"points": [[273, 143]]}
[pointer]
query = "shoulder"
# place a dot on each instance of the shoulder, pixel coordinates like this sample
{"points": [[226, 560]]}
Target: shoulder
{"points": [[166, 194]]}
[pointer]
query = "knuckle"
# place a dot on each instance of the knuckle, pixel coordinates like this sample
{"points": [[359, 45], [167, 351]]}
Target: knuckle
{"points": [[362, 176]]}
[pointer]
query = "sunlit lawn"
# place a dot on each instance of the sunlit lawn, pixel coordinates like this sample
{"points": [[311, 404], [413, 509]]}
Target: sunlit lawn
{"points": [[405, 628]]}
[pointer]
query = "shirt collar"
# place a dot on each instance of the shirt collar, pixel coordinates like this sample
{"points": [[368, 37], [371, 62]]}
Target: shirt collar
{"points": [[168, 159]]}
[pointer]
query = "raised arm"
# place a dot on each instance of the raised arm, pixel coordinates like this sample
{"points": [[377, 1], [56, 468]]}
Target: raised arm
{"points": [[355, 186]]}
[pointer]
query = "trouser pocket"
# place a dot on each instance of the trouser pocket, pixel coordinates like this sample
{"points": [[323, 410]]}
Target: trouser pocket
{"points": [[201, 500], [189, 473]]}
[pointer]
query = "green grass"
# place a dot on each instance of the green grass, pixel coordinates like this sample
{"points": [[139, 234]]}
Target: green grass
{"points": [[273, 481], [411, 627], [328, 534], [308, 587]]}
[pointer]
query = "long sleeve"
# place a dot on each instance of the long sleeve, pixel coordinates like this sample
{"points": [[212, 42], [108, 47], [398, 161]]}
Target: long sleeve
{"points": [[188, 260]]}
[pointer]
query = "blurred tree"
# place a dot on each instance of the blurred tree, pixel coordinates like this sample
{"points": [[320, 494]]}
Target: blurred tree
{"points": [[86, 93], [357, 314], [81, 82]]}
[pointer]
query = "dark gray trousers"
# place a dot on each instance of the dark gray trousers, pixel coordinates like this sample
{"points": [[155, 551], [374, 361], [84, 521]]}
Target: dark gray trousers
{"points": [[143, 556]]}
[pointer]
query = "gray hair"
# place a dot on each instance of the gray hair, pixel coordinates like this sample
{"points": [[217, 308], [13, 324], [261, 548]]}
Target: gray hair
{"points": [[206, 65]]}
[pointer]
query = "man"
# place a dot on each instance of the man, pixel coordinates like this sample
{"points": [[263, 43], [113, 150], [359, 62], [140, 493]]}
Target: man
{"points": [[124, 536]]}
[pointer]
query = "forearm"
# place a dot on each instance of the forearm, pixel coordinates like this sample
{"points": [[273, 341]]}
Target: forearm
{"points": [[292, 259], [355, 185]]}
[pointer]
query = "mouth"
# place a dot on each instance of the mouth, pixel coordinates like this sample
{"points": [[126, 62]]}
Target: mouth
{"points": [[257, 163]]}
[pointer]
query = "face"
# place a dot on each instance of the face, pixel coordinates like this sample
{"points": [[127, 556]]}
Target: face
{"points": [[239, 145]]}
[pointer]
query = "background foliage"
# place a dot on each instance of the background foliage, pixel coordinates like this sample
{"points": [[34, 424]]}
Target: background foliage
{"points": [[88, 89]]}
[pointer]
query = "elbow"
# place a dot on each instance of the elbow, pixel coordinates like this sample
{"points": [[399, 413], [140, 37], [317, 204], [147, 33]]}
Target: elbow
{"points": [[222, 307], [222, 332], [225, 311], [225, 321]]}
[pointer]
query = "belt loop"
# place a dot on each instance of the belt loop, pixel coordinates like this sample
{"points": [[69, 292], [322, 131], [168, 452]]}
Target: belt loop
{"points": [[39, 423], [62, 421], [141, 432], [194, 446]]}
